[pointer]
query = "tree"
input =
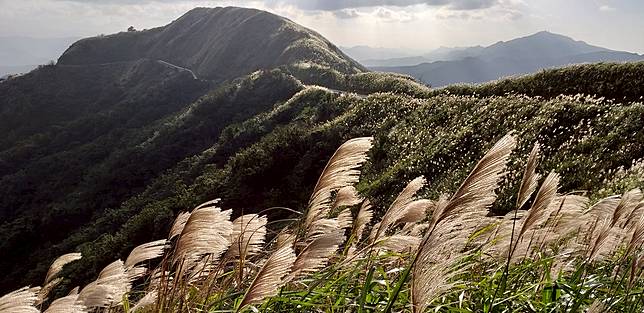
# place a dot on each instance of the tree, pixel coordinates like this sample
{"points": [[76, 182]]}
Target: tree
{"points": [[131, 29]]}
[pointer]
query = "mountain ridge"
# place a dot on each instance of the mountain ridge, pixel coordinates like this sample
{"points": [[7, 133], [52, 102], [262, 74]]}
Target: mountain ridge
{"points": [[518, 56], [84, 135], [215, 43]]}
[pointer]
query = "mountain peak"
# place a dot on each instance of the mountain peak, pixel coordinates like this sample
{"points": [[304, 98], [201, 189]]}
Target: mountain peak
{"points": [[216, 43]]}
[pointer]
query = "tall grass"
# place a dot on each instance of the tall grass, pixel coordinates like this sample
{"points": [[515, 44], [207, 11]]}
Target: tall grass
{"points": [[561, 254]]}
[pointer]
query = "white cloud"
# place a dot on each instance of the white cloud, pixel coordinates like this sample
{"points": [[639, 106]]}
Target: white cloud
{"points": [[607, 8]]}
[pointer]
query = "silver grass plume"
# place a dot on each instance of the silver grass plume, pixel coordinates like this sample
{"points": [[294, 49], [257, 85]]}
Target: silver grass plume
{"points": [[436, 268], [46, 289], [604, 240], [530, 179], [178, 225], [108, 289], [284, 238], [147, 301], [207, 232], [346, 196], [67, 304], [364, 217], [248, 236], [145, 252], [399, 243], [345, 219], [317, 254], [633, 218], [455, 218], [626, 206], [605, 207], [400, 208], [637, 237], [476, 193], [539, 209], [320, 227], [270, 277], [342, 170], [20, 301], [59, 263]]}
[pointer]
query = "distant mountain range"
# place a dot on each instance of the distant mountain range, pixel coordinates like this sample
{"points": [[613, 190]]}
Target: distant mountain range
{"points": [[477, 64]]}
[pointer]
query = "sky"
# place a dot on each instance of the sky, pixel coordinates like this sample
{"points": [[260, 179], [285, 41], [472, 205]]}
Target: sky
{"points": [[413, 25]]}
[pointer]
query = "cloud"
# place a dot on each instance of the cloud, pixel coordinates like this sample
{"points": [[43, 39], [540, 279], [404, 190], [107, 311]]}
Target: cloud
{"points": [[336, 5], [327, 5], [505, 10], [380, 13], [607, 8]]}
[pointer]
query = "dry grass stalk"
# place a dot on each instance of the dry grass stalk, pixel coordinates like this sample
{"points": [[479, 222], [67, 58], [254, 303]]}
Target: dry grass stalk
{"points": [[108, 289], [341, 171], [476, 193], [364, 217], [626, 206], [320, 227], [317, 254], [452, 221], [59, 263], [145, 252], [207, 232], [538, 212], [178, 225], [147, 301], [346, 196], [46, 289], [20, 301], [67, 304], [270, 277], [399, 243], [248, 236], [530, 179], [400, 208]]}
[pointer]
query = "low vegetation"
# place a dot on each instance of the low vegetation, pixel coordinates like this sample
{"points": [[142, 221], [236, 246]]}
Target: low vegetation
{"points": [[616, 81], [554, 251]]}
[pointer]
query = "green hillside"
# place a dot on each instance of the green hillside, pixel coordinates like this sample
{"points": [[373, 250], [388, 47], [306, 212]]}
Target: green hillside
{"points": [[272, 159], [615, 81]]}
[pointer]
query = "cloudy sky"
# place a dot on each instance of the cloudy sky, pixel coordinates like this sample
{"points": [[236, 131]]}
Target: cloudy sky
{"points": [[410, 24]]}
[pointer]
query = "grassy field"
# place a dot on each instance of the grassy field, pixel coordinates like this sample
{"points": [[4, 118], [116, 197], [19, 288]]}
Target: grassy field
{"points": [[552, 252]]}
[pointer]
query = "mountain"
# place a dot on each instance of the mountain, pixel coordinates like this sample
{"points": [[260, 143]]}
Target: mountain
{"points": [[101, 151], [82, 136], [518, 56], [217, 44], [440, 54]]}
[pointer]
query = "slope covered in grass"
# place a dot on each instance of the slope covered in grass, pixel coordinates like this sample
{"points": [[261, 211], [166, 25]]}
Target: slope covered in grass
{"points": [[617, 81], [273, 158]]}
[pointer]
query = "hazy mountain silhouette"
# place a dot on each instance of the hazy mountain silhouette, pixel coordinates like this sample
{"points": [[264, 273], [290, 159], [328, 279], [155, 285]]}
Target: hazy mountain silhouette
{"points": [[517, 56]]}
